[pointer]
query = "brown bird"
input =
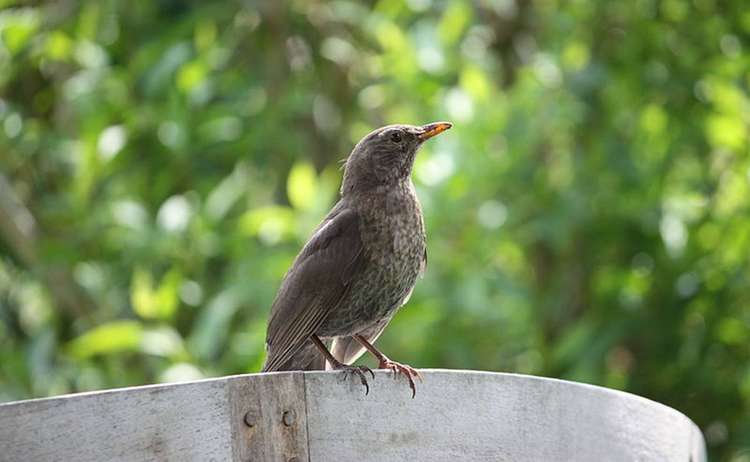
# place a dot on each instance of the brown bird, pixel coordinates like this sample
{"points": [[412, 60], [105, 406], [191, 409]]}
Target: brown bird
{"points": [[360, 265]]}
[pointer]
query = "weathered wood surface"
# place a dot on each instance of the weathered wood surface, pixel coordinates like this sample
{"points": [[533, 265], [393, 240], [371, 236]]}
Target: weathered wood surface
{"points": [[319, 416]]}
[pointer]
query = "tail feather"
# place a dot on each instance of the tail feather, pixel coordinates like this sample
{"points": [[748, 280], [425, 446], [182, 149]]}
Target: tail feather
{"points": [[345, 349], [308, 358]]}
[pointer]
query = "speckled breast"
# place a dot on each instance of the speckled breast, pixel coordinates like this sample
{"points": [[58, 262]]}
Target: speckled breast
{"points": [[393, 238]]}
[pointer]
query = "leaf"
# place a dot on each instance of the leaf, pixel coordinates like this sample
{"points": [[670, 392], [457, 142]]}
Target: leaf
{"points": [[191, 75], [269, 224], [155, 303], [17, 27], [108, 338], [163, 341], [475, 82], [726, 131], [454, 21], [302, 186], [211, 329]]}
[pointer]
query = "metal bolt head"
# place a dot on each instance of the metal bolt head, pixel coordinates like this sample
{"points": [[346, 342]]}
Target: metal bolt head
{"points": [[249, 419], [288, 418]]}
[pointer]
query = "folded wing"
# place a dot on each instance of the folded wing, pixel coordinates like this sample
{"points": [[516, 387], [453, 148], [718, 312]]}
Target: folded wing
{"points": [[316, 283]]}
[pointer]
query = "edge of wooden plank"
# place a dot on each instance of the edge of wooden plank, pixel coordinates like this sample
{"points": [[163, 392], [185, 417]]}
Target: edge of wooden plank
{"points": [[151, 386], [397, 425], [163, 422], [266, 396]]}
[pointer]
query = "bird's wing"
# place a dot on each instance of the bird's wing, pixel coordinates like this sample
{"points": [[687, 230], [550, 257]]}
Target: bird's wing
{"points": [[315, 284]]}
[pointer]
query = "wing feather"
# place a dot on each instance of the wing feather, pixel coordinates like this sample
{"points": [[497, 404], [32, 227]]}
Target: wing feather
{"points": [[316, 283]]}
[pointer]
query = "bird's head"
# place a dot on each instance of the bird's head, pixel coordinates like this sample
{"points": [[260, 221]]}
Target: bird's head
{"points": [[386, 155]]}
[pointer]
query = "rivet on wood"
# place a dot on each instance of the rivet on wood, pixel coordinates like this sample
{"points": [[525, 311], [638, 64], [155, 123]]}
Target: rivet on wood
{"points": [[288, 418], [249, 419]]}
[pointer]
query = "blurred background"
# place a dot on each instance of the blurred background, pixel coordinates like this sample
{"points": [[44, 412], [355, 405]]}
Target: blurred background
{"points": [[161, 163]]}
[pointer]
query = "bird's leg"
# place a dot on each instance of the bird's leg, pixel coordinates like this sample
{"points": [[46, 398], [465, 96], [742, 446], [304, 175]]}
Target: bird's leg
{"points": [[338, 365], [385, 363]]}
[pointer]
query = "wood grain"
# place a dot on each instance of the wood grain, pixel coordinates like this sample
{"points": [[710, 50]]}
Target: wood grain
{"points": [[457, 415], [491, 417], [154, 423], [269, 418]]}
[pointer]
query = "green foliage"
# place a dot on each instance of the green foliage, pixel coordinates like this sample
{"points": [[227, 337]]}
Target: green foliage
{"points": [[587, 215]]}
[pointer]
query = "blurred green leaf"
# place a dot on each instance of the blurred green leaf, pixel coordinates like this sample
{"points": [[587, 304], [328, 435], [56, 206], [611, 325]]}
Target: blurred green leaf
{"points": [[59, 46], [270, 224], [210, 329], [163, 341], [726, 131], [17, 27], [454, 21], [191, 75], [475, 82], [151, 302], [302, 186], [108, 338]]}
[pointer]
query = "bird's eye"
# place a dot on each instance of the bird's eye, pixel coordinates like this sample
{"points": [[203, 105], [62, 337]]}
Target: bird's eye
{"points": [[396, 137]]}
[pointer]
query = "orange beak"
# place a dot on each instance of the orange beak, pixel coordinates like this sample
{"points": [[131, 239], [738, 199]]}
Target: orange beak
{"points": [[433, 129]]}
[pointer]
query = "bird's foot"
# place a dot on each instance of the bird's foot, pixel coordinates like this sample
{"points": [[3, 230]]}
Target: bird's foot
{"points": [[403, 369], [359, 371]]}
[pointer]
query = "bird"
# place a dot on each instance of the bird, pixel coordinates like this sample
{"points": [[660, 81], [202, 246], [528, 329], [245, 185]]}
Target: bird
{"points": [[359, 266]]}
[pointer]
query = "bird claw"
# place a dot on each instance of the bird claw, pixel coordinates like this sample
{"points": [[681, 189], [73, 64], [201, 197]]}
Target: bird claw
{"points": [[367, 369], [359, 371], [402, 369]]}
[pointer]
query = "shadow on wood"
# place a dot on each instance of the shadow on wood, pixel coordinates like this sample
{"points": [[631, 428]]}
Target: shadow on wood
{"points": [[320, 416]]}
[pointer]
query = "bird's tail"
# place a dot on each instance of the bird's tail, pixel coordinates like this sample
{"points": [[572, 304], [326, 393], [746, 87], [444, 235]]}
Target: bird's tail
{"points": [[307, 358]]}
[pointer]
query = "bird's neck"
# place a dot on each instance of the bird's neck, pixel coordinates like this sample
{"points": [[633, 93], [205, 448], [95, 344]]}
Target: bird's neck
{"points": [[386, 199], [379, 190]]}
